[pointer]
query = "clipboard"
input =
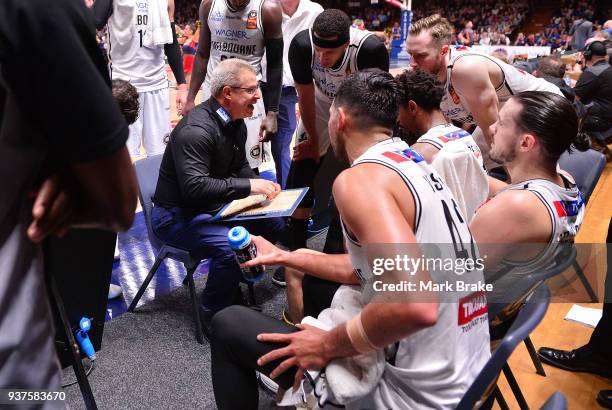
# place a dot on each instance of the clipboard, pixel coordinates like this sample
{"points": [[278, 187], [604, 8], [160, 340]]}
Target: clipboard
{"points": [[257, 207]]}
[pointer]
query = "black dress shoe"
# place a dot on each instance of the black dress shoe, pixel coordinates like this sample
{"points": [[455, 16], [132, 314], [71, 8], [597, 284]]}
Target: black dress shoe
{"points": [[578, 360], [604, 398]]}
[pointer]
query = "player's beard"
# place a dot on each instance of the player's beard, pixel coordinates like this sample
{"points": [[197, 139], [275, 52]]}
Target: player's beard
{"points": [[503, 156], [339, 147], [438, 67]]}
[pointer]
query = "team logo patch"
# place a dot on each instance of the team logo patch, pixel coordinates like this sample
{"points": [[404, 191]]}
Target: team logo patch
{"points": [[455, 135], [471, 307], [568, 208], [255, 151], [217, 16], [403, 156], [251, 23]]}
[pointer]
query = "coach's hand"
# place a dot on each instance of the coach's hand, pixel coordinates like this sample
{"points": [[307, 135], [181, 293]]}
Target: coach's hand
{"points": [[307, 349], [263, 186], [53, 208]]}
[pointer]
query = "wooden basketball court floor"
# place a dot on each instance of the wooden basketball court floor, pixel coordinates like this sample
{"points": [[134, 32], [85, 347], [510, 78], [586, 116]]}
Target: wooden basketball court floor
{"points": [[580, 389]]}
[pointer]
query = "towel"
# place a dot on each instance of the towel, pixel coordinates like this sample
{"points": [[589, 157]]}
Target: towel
{"points": [[122, 20], [464, 176], [345, 380], [159, 31]]}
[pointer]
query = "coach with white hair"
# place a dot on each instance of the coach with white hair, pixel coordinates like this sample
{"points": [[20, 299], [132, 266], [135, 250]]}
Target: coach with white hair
{"points": [[204, 167]]}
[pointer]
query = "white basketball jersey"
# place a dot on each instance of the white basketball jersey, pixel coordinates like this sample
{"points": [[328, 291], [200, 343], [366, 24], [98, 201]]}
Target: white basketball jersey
{"points": [[565, 208], [327, 81], [142, 66], [434, 367], [514, 81], [442, 134], [236, 34]]}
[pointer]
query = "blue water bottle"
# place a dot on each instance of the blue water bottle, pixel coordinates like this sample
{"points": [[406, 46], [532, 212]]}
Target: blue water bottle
{"points": [[240, 241]]}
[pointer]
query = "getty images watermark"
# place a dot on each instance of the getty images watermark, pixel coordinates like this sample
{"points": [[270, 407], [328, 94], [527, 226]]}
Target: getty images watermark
{"points": [[411, 266], [449, 272]]}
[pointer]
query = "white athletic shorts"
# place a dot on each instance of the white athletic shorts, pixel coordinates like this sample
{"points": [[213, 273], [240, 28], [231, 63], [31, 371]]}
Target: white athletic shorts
{"points": [[152, 127]]}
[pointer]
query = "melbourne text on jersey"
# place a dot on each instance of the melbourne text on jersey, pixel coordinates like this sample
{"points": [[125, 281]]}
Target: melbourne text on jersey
{"points": [[222, 46]]}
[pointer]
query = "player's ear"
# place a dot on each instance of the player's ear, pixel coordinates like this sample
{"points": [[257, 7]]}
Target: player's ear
{"points": [[444, 49], [342, 118], [412, 107], [528, 142]]}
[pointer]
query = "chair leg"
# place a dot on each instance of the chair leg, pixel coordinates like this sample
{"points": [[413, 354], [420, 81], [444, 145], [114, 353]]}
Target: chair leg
{"points": [[500, 399], [534, 357], [584, 280], [145, 284], [194, 304], [516, 390]]}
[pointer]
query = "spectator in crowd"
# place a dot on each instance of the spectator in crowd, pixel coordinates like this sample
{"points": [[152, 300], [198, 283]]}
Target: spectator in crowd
{"points": [[607, 27], [553, 70], [189, 46], [594, 88], [466, 36], [581, 30], [396, 31]]}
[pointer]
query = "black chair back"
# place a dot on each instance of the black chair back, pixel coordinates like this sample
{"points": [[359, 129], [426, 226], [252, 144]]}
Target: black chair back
{"points": [[586, 168]]}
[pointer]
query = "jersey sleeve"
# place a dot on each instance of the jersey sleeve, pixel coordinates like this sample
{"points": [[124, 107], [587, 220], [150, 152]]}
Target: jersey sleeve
{"points": [[300, 58], [52, 65], [373, 54]]}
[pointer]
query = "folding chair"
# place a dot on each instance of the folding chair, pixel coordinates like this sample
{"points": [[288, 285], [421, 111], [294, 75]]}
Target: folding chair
{"points": [[556, 401], [586, 168], [527, 319], [147, 172]]}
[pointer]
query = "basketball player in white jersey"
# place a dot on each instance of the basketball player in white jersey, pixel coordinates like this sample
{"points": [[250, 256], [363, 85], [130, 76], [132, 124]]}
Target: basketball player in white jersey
{"points": [[476, 85], [542, 206], [321, 58], [242, 29], [439, 348], [420, 115], [137, 56]]}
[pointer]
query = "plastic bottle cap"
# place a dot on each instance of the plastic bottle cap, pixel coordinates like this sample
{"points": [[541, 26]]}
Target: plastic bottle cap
{"points": [[238, 237]]}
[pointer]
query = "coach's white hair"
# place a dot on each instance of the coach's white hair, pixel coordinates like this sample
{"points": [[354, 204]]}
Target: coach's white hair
{"points": [[228, 72]]}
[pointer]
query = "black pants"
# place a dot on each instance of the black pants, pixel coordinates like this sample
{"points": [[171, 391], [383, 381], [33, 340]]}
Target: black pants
{"points": [[234, 353], [601, 338], [595, 123]]}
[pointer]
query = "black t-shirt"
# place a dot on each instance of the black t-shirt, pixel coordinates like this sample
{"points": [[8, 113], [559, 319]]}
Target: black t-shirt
{"points": [[595, 86], [372, 54], [52, 65], [204, 164]]}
